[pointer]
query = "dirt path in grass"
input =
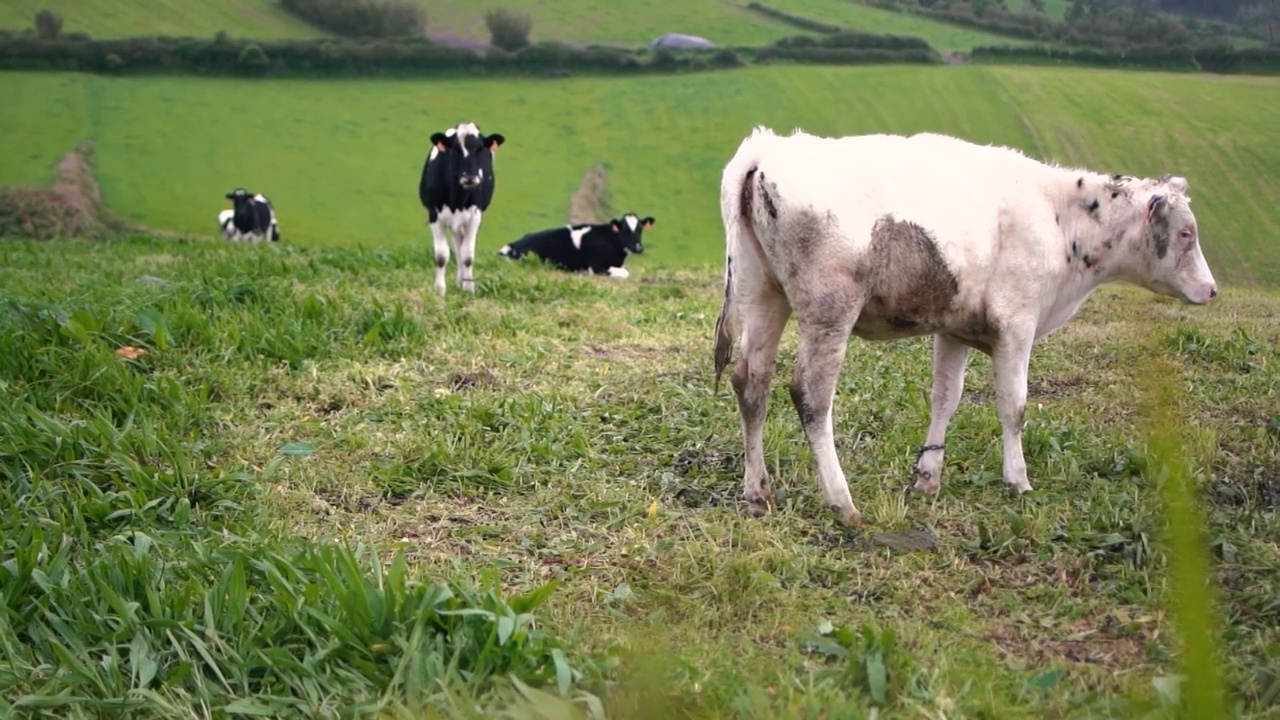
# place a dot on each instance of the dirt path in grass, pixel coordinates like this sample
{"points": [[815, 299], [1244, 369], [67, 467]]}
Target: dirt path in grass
{"points": [[69, 208], [590, 202]]}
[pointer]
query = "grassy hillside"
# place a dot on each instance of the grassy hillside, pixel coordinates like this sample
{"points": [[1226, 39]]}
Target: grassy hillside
{"points": [[727, 22], [186, 458], [865, 18], [111, 18], [342, 158], [633, 23]]}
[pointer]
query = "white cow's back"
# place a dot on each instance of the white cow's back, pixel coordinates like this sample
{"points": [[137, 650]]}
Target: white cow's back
{"points": [[959, 192]]}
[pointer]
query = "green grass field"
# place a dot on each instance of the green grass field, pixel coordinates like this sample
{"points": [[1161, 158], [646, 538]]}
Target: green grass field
{"points": [[865, 18], [335, 155], [722, 21], [725, 22], [196, 435], [108, 18], [634, 23]]}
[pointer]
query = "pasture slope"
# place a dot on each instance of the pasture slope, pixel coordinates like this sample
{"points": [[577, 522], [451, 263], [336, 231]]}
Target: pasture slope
{"points": [[197, 433], [110, 18], [867, 18], [578, 21], [342, 158]]}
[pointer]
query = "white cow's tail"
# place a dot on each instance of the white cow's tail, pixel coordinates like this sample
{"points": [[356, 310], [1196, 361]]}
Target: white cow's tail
{"points": [[736, 194]]}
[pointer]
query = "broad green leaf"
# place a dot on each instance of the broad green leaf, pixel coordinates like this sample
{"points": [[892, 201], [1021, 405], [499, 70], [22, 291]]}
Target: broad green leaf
{"points": [[297, 448], [506, 626], [564, 674], [877, 677]]}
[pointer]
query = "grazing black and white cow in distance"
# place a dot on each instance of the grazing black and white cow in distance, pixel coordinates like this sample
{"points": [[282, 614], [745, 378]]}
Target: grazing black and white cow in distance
{"points": [[456, 188], [599, 249], [883, 237], [252, 217]]}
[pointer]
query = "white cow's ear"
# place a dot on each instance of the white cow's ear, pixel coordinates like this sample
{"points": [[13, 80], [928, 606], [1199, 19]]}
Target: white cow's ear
{"points": [[1178, 184], [1157, 206]]}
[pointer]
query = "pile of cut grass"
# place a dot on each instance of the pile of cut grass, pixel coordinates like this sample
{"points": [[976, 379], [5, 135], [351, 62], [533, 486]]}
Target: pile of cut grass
{"points": [[201, 433]]}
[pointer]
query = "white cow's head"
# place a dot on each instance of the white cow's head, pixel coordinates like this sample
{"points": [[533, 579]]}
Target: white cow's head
{"points": [[1167, 239]]}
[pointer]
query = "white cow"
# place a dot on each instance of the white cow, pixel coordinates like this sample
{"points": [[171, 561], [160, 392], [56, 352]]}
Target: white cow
{"points": [[887, 237]]}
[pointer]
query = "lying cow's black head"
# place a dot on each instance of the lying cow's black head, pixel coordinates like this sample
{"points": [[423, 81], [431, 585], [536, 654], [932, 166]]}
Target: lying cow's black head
{"points": [[469, 154], [251, 214], [628, 229]]}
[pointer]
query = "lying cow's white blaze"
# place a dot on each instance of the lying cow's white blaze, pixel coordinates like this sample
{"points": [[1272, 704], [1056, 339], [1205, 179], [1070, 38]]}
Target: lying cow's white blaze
{"points": [[886, 237], [575, 235]]}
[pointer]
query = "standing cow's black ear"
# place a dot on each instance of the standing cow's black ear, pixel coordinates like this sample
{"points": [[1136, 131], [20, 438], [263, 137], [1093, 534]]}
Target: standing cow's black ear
{"points": [[613, 226], [493, 140], [647, 222], [439, 139]]}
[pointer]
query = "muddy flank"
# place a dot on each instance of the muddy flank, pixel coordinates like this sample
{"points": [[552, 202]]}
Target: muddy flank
{"points": [[70, 208]]}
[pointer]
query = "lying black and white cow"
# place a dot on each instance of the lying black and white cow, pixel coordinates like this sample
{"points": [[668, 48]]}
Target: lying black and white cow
{"points": [[888, 237], [598, 248], [252, 217], [456, 188]]}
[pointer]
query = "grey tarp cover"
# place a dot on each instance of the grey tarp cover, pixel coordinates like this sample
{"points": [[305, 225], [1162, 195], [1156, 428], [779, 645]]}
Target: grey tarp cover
{"points": [[681, 41]]}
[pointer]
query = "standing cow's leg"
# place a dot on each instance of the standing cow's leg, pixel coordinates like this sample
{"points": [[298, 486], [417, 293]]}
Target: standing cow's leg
{"points": [[764, 318], [949, 357], [442, 253], [467, 254], [1009, 362], [819, 358]]}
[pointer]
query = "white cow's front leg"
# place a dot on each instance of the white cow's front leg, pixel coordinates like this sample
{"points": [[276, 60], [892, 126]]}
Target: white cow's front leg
{"points": [[1009, 362], [467, 254], [619, 273], [441, 243], [949, 357]]}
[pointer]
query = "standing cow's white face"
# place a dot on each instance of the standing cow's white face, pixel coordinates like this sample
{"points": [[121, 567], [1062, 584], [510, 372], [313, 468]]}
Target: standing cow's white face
{"points": [[1169, 240]]}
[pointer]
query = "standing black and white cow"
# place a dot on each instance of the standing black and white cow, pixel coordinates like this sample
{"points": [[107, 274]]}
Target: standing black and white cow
{"points": [[885, 237], [456, 188], [598, 248], [251, 217]]}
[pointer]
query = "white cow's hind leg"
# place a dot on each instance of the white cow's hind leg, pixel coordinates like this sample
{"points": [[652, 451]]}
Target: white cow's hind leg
{"points": [[763, 319], [467, 254], [1009, 362], [441, 243], [949, 357], [819, 358]]}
